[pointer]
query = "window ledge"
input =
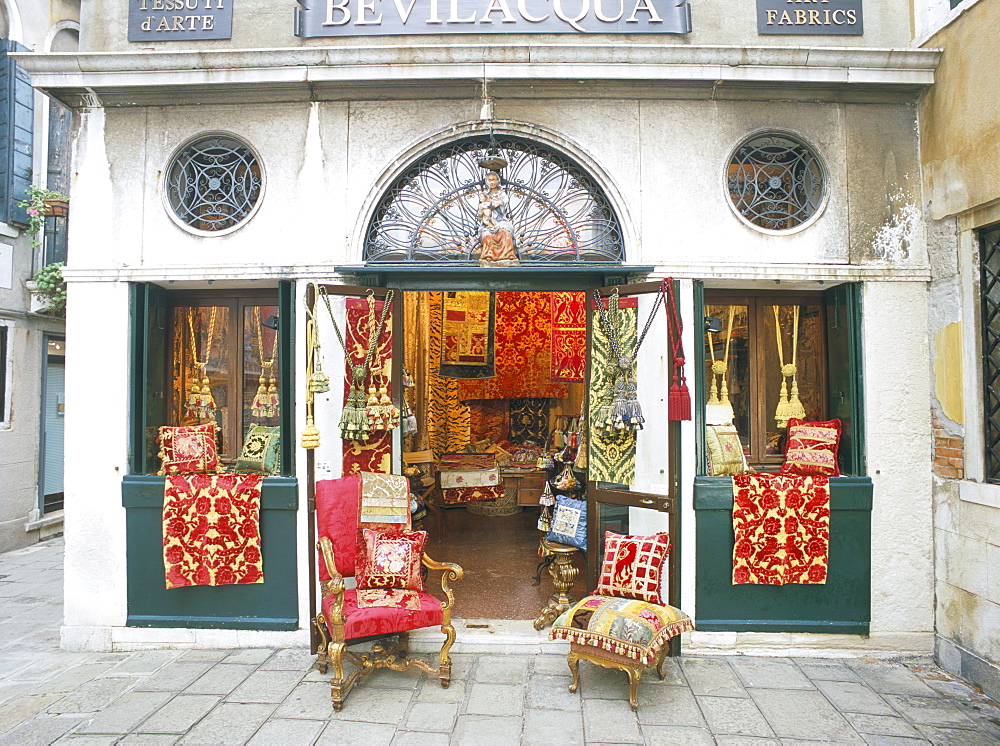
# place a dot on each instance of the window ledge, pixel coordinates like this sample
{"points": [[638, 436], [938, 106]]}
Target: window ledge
{"points": [[979, 493], [9, 231], [53, 519]]}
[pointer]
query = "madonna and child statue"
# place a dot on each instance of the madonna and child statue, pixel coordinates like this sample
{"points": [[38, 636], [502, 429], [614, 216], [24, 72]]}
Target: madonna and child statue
{"points": [[497, 247]]}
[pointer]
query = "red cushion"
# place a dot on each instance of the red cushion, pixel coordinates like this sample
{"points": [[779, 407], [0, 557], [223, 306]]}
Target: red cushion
{"points": [[383, 620], [812, 448], [392, 559], [337, 502], [189, 449], [631, 566]]}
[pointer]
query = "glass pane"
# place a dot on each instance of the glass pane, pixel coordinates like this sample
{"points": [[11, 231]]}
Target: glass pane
{"points": [[261, 371], [727, 371], [793, 371], [200, 389]]}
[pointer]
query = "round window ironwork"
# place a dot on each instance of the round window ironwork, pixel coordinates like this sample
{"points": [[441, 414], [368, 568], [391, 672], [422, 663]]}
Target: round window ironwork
{"points": [[775, 181], [433, 212], [214, 184]]}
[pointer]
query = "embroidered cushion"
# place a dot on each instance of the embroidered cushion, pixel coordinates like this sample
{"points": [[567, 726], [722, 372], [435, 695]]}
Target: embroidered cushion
{"points": [[569, 522], [634, 629], [261, 452], [725, 451], [392, 559], [631, 566], [383, 620], [189, 449], [812, 448]]}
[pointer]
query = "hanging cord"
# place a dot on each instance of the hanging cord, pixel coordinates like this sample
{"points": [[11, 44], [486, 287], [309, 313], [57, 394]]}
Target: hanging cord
{"points": [[718, 408], [265, 401], [200, 403], [316, 380], [679, 400], [788, 406]]}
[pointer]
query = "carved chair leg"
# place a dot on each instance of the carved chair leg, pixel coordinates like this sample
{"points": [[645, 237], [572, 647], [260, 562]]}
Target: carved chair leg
{"points": [[659, 662], [634, 677], [444, 659], [574, 666], [322, 658]]}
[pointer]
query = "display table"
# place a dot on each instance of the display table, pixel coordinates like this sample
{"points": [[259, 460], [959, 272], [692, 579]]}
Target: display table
{"points": [[563, 576], [527, 483]]}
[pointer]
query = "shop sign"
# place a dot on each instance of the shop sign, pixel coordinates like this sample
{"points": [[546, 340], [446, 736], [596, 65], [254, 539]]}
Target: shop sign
{"points": [[179, 20], [833, 17], [387, 17]]}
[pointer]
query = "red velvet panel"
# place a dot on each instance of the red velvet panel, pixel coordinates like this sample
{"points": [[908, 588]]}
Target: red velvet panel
{"points": [[337, 507], [382, 620]]}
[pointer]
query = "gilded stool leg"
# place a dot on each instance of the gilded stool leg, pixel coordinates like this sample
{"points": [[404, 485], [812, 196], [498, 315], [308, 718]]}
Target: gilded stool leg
{"points": [[634, 676], [444, 659], [574, 666], [322, 658], [659, 663]]}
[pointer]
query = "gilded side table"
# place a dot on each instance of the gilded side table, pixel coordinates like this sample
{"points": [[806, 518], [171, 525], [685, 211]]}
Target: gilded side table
{"points": [[563, 576]]}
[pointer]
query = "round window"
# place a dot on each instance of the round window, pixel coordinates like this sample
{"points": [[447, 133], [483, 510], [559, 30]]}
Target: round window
{"points": [[775, 182], [213, 184]]}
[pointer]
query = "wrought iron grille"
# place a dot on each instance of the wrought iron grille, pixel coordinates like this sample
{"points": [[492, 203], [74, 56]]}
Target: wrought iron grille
{"points": [[558, 212], [214, 183], [775, 181], [989, 260]]}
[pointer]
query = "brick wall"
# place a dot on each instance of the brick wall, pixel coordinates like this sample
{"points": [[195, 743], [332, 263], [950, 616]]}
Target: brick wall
{"points": [[948, 454]]}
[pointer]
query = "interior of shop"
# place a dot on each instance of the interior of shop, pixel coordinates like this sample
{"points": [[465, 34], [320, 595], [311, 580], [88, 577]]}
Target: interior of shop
{"points": [[494, 389]]}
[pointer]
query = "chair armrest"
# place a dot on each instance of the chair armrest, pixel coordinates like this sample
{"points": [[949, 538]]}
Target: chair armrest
{"points": [[335, 585], [450, 572]]}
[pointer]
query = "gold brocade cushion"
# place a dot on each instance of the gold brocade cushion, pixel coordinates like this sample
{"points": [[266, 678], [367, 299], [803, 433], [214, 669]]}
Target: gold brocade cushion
{"points": [[812, 448], [189, 449], [261, 452], [725, 451], [392, 559]]}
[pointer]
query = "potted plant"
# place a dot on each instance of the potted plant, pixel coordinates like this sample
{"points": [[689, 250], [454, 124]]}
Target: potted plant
{"points": [[42, 203], [48, 289]]}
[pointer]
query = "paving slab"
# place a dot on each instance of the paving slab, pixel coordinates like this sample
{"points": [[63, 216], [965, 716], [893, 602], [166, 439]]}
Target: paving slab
{"points": [[173, 677], [804, 715], [610, 721], [547, 727], [929, 710], [503, 731], [265, 686], [254, 656], [18, 710], [294, 732], [887, 678], [669, 705], [73, 678], [676, 735], [432, 716], [290, 659], [552, 693], [308, 700], [948, 736], [145, 662], [712, 677], [148, 739], [93, 696], [418, 738], [771, 673], [229, 723], [356, 734], [374, 705], [41, 730], [734, 716], [125, 713], [852, 696], [881, 725], [495, 699], [430, 690], [550, 664], [179, 714], [503, 669], [75, 740], [746, 741], [222, 678]]}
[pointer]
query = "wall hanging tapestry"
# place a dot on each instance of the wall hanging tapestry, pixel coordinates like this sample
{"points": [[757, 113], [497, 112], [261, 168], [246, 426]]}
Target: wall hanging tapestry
{"points": [[568, 348], [489, 419], [529, 420], [610, 451], [788, 402], [782, 529], [523, 355], [467, 335], [367, 356], [211, 529]]}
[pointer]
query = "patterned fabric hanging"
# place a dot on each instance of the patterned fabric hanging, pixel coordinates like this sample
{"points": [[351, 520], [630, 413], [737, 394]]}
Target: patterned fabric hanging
{"points": [[569, 336], [529, 420], [467, 331]]}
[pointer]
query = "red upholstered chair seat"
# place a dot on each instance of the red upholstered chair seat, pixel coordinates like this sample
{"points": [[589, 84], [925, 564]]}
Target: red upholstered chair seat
{"points": [[384, 620]]}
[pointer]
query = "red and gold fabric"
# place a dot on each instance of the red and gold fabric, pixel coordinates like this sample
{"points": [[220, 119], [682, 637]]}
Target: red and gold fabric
{"points": [[363, 621], [812, 448], [375, 453], [489, 419], [467, 348], [632, 566], [392, 559], [625, 627], [569, 336], [401, 598], [189, 449], [523, 352], [211, 529], [782, 529], [457, 495]]}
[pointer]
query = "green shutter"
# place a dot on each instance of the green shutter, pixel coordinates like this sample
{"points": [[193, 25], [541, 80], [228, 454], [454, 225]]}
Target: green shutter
{"points": [[147, 397], [286, 352], [694, 369], [843, 341], [16, 133]]}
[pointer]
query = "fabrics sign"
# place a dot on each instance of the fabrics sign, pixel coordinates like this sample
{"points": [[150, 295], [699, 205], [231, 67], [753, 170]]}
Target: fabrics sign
{"points": [[830, 17], [388, 17], [179, 20]]}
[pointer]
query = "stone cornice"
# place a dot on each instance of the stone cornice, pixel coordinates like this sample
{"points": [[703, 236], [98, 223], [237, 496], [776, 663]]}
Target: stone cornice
{"points": [[311, 73]]}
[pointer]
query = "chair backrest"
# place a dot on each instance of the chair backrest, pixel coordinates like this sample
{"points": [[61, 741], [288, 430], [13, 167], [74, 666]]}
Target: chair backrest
{"points": [[345, 506]]}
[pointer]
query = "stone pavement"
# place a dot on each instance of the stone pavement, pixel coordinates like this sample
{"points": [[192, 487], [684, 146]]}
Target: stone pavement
{"points": [[273, 697]]}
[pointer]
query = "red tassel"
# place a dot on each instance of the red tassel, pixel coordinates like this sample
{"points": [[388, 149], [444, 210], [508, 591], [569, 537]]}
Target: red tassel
{"points": [[679, 399]]}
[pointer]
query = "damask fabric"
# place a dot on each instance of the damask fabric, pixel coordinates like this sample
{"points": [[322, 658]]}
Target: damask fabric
{"points": [[467, 330], [529, 420], [469, 478], [362, 621], [636, 630], [457, 495], [385, 498], [261, 452], [189, 449], [610, 456], [211, 529], [569, 336], [632, 566], [523, 352], [392, 597], [392, 559], [725, 451], [375, 453], [782, 528], [489, 419]]}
